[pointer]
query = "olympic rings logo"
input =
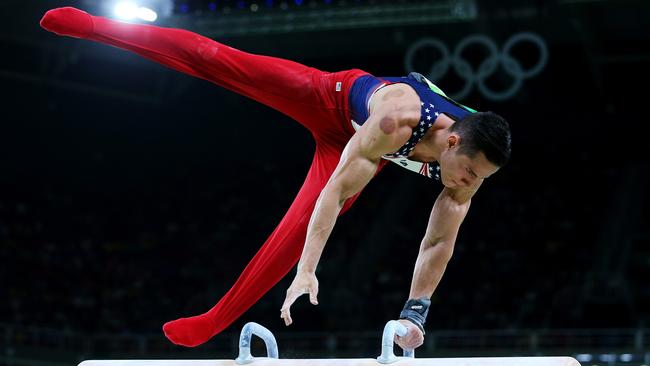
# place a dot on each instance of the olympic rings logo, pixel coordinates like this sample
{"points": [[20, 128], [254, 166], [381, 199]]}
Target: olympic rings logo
{"points": [[487, 67]]}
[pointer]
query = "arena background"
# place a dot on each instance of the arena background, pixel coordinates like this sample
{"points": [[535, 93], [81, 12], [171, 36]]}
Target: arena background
{"points": [[131, 195]]}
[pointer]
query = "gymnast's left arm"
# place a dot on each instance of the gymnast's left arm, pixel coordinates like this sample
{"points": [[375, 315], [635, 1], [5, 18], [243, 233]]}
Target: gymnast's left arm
{"points": [[436, 250]]}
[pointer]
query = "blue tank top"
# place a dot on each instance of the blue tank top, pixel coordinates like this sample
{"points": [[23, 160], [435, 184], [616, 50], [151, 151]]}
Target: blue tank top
{"points": [[433, 101]]}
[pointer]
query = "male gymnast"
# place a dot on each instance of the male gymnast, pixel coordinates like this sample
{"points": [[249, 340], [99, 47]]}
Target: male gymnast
{"points": [[359, 122]]}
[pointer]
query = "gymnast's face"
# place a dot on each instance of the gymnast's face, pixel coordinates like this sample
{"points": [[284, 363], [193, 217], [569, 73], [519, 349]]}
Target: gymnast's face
{"points": [[458, 170]]}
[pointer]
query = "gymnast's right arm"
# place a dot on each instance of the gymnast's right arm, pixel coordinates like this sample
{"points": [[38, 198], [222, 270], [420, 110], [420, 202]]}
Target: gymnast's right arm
{"points": [[386, 129]]}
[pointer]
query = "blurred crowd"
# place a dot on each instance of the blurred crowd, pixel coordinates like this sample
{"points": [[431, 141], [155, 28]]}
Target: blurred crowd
{"points": [[127, 260]]}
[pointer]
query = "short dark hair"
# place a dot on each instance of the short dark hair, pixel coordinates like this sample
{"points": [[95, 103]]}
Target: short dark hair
{"points": [[487, 132]]}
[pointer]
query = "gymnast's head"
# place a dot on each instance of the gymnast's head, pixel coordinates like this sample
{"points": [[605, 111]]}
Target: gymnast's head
{"points": [[476, 147]]}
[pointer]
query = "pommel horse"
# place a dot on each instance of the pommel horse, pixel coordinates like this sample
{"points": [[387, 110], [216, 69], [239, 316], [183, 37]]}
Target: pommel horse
{"points": [[386, 357]]}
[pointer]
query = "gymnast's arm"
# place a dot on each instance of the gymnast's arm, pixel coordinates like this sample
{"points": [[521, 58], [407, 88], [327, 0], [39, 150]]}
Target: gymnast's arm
{"points": [[436, 250], [437, 246], [357, 166]]}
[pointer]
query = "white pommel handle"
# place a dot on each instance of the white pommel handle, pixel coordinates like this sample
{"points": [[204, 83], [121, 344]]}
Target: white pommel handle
{"points": [[392, 328], [247, 333]]}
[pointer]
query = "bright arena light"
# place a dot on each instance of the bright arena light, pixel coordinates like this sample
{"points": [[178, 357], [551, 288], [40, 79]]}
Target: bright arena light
{"points": [[147, 14], [126, 11], [130, 11]]}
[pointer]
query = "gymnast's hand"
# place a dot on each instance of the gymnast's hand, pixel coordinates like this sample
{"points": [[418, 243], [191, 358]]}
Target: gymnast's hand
{"points": [[413, 338], [304, 283]]}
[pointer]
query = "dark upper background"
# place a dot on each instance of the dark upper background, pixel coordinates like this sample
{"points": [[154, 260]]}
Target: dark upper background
{"points": [[131, 194]]}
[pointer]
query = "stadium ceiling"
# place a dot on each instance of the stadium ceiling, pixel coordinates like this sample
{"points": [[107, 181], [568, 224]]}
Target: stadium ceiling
{"points": [[326, 18], [608, 33]]}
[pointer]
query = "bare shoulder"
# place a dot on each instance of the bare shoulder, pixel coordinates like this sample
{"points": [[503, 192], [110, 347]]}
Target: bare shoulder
{"points": [[399, 94], [394, 111]]}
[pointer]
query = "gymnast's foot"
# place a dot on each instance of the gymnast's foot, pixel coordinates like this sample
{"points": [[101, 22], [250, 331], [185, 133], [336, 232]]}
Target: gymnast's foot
{"points": [[68, 21], [189, 332]]}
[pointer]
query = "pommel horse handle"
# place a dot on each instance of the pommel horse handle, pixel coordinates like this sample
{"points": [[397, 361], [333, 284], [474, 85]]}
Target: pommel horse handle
{"points": [[247, 333], [387, 356]]}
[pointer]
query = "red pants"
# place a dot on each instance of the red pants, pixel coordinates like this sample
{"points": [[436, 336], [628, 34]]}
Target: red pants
{"points": [[318, 100]]}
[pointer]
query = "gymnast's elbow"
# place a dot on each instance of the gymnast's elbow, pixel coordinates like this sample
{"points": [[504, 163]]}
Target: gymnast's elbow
{"points": [[335, 193], [442, 250]]}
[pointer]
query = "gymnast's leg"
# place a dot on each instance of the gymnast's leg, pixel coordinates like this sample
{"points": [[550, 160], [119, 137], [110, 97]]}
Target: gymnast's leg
{"points": [[312, 97], [284, 85], [273, 261]]}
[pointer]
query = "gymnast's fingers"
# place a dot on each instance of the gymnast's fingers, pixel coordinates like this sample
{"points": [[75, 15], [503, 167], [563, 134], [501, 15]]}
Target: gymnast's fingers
{"points": [[413, 338], [286, 315], [285, 311], [408, 342], [400, 341], [313, 295]]}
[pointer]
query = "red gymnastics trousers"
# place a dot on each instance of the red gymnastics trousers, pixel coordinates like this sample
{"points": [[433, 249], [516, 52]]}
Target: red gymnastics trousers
{"points": [[318, 100]]}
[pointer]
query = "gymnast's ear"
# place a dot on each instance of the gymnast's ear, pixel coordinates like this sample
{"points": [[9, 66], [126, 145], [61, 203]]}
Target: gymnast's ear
{"points": [[453, 140]]}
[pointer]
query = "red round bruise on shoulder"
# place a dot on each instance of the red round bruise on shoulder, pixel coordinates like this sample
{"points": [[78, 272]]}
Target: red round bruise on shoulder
{"points": [[387, 125]]}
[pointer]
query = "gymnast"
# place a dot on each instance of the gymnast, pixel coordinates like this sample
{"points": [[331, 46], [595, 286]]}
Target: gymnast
{"points": [[359, 123]]}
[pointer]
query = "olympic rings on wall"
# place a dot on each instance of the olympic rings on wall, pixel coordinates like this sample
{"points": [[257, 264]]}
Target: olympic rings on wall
{"points": [[488, 66]]}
